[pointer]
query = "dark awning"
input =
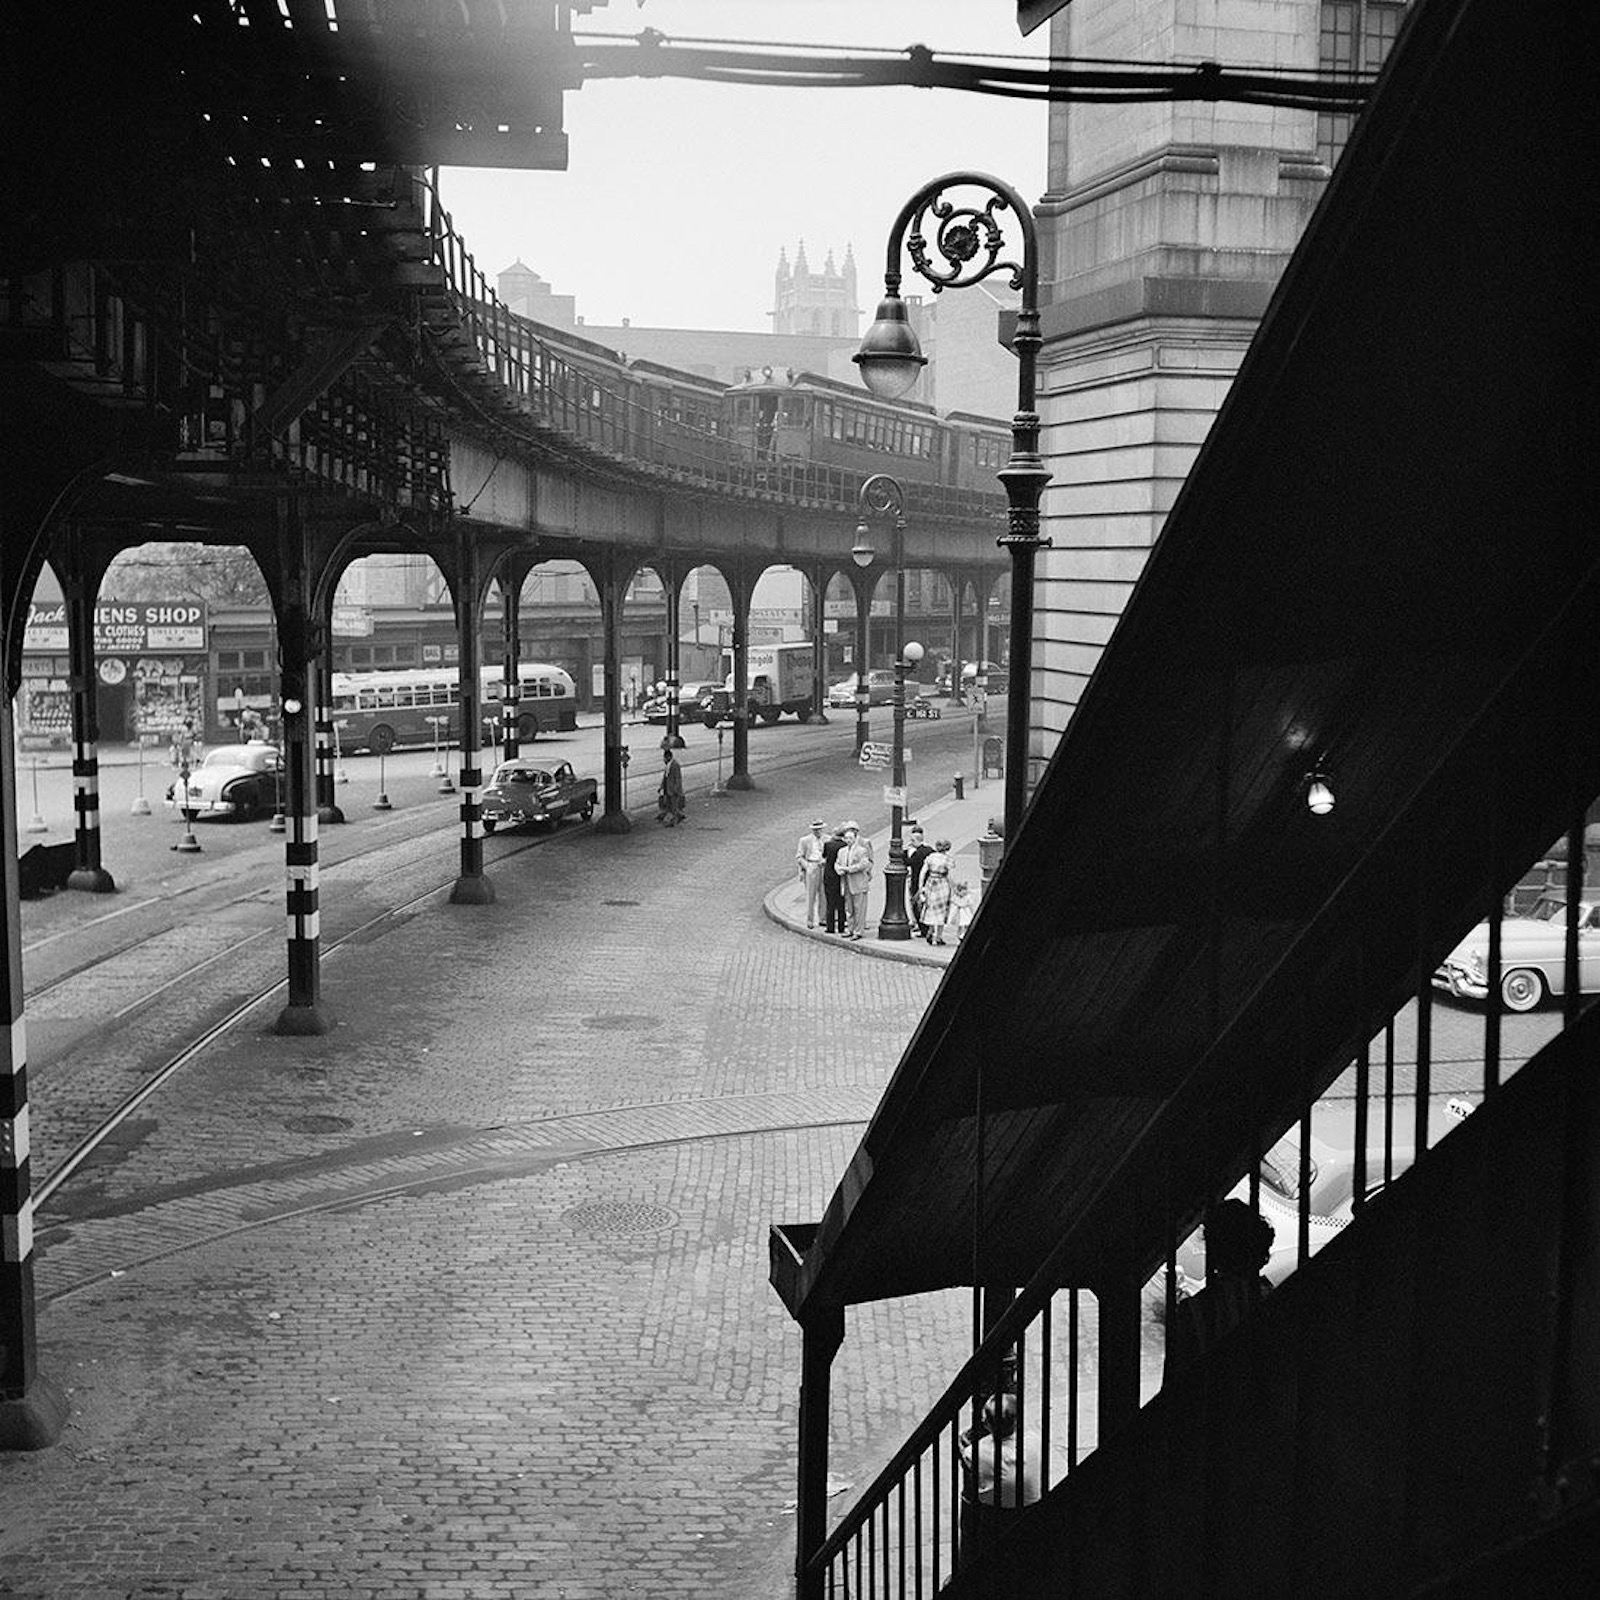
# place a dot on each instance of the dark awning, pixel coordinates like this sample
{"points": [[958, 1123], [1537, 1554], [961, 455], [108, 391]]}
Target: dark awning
{"points": [[1394, 508]]}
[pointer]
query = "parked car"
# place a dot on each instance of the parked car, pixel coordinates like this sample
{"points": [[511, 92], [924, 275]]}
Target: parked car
{"points": [[522, 791], [1330, 1184], [234, 780], [1533, 957], [880, 689], [690, 696], [969, 676]]}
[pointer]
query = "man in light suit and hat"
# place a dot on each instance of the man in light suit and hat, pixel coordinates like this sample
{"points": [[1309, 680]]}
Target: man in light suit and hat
{"points": [[854, 866]]}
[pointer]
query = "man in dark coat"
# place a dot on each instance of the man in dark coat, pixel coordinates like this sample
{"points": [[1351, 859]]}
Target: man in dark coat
{"points": [[669, 797], [832, 885]]}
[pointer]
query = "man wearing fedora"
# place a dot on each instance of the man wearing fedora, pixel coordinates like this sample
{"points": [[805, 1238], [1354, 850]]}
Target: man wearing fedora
{"points": [[832, 884], [808, 858], [854, 866]]}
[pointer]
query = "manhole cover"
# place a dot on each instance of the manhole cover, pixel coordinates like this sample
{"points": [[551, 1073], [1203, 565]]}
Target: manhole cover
{"points": [[622, 902], [620, 1022], [316, 1124], [620, 1218]]}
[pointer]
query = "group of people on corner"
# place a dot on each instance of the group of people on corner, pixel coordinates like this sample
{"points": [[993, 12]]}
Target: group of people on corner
{"points": [[836, 870], [837, 873]]}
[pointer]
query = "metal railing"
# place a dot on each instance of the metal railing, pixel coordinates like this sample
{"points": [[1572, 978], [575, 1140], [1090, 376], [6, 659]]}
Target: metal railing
{"points": [[1023, 1410]]}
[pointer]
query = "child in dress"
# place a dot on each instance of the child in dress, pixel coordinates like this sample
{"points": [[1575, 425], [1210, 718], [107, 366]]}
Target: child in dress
{"points": [[960, 908]]}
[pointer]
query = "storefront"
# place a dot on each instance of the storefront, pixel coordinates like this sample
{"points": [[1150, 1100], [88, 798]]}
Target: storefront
{"points": [[150, 660]]}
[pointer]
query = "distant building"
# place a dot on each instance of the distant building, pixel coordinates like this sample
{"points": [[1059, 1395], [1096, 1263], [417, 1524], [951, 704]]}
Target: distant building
{"points": [[823, 302], [816, 327]]}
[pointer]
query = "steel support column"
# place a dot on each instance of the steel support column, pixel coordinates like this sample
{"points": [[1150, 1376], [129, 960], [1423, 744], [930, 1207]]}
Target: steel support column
{"points": [[33, 1411], [472, 888], [613, 817], [818, 577], [79, 591], [740, 777], [863, 592], [299, 653], [821, 1335], [671, 580], [957, 585], [327, 802], [512, 577]]}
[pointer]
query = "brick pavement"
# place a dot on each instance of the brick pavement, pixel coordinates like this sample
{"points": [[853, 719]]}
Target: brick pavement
{"points": [[561, 1378]]}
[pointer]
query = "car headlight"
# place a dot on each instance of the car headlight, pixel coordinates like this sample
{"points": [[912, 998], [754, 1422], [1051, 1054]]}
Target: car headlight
{"points": [[1477, 968]]}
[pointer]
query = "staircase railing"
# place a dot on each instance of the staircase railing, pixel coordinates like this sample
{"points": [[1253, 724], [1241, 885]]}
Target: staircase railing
{"points": [[1061, 1368]]}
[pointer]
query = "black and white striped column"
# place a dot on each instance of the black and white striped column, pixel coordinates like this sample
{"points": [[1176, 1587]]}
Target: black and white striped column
{"points": [[327, 798], [511, 657], [674, 675], [303, 1014], [87, 871], [472, 888], [33, 1411]]}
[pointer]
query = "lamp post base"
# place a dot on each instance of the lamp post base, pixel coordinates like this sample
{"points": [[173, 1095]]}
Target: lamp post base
{"points": [[894, 923]]}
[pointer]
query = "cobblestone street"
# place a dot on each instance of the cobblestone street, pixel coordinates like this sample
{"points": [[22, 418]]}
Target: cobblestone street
{"points": [[468, 1298]]}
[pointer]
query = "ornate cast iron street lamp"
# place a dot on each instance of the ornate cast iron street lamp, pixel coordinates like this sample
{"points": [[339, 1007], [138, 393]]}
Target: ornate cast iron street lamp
{"points": [[880, 494], [969, 240]]}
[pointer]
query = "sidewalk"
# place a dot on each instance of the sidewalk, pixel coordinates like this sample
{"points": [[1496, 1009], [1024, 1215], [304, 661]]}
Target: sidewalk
{"points": [[962, 822]]}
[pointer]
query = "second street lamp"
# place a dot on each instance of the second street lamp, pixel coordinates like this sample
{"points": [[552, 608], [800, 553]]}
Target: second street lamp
{"points": [[970, 241], [879, 494]]}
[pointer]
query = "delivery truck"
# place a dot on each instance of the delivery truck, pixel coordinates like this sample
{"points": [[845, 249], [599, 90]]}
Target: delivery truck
{"points": [[782, 677]]}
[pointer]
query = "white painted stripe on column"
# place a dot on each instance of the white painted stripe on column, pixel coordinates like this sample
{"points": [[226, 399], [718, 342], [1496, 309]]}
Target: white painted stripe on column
{"points": [[91, 819], [303, 873], [16, 1235], [18, 1042], [15, 1143]]}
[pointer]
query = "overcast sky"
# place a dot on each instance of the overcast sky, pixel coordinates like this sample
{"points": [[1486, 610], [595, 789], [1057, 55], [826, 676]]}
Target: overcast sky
{"points": [[679, 195]]}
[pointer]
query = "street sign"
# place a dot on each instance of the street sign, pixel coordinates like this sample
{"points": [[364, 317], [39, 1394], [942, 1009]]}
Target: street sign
{"points": [[874, 755], [893, 796]]}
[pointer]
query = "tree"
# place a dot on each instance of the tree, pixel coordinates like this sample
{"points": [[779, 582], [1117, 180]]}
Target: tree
{"points": [[223, 575]]}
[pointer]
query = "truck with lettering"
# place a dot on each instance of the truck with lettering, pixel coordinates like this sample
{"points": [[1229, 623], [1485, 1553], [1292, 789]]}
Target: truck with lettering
{"points": [[781, 677]]}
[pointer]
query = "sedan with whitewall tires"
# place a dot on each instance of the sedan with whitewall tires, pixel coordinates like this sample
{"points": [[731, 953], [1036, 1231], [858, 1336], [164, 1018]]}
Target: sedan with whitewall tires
{"points": [[1533, 957], [234, 780]]}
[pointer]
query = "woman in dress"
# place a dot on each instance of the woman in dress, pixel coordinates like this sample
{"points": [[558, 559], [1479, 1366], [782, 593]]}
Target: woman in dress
{"points": [[933, 892]]}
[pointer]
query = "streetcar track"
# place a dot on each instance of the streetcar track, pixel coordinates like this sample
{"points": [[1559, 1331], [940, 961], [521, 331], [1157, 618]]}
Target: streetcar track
{"points": [[81, 1153], [441, 1174]]}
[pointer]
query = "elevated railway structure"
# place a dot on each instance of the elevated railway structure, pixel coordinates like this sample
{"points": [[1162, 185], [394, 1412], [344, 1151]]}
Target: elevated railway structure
{"points": [[234, 312]]}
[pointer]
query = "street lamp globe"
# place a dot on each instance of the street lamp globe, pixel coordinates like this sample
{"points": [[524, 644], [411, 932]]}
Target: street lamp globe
{"points": [[861, 552], [913, 653], [890, 358]]}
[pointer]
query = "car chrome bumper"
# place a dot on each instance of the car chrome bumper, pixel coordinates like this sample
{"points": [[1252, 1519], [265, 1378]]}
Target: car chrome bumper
{"points": [[203, 808], [1458, 982]]}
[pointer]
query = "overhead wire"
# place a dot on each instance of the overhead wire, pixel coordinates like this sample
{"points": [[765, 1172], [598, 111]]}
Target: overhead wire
{"points": [[1056, 79]]}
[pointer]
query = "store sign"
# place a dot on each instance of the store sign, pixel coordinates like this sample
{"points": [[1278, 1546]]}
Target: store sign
{"points": [[125, 628], [352, 622]]}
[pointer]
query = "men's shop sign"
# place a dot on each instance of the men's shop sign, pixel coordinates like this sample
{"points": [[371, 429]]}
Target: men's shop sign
{"points": [[130, 628]]}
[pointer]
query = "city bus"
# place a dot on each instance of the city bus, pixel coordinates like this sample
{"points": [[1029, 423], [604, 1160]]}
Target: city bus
{"points": [[379, 711]]}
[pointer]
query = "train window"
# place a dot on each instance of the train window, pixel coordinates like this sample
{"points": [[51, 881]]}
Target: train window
{"points": [[794, 411]]}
